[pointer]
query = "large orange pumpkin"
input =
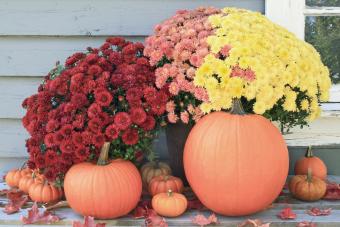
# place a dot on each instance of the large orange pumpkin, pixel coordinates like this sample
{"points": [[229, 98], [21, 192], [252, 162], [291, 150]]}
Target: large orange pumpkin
{"points": [[236, 164], [317, 166], [109, 189]]}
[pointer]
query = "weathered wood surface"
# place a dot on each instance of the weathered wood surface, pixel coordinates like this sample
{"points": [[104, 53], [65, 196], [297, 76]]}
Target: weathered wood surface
{"points": [[269, 215], [104, 17]]}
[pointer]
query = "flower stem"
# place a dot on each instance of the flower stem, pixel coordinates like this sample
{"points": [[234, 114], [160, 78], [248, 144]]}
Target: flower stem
{"points": [[237, 107], [104, 154]]}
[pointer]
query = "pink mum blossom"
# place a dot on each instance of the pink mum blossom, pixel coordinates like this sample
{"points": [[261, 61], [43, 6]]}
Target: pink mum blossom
{"points": [[185, 117], [172, 117]]}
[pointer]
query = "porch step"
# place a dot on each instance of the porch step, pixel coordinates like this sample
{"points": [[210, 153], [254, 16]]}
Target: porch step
{"points": [[269, 215]]}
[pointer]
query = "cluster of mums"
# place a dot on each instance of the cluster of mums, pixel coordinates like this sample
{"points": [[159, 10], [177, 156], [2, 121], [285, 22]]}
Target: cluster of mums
{"points": [[110, 102]]}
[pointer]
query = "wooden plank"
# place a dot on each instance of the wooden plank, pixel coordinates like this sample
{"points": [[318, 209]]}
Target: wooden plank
{"points": [[322, 11], [13, 90], [36, 56], [13, 136], [89, 17]]}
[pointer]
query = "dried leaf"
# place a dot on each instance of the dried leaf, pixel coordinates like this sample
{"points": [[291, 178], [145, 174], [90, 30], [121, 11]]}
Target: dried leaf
{"points": [[88, 222], [319, 212], [306, 224], [254, 223], [152, 219], [286, 213], [333, 191], [16, 199], [34, 216], [202, 221]]}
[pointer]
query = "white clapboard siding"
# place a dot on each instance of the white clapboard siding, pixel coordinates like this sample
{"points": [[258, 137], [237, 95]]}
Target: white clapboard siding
{"points": [[35, 56], [101, 17], [13, 136]]}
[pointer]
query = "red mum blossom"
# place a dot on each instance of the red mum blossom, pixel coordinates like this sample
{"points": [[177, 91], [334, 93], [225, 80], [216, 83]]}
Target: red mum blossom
{"points": [[103, 98], [58, 137], [66, 130], [50, 174], [138, 115], [40, 161], [150, 94], [87, 137], [52, 125], [50, 156], [94, 110], [67, 158], [158, 108], [77, 138], [95, 125], [149, 123], [82, 153], [134, 94], [112, 132], [130, 137], [94, 70], [79, 100], [122, 120], [98, 140], [67, 146], [49, 140]]}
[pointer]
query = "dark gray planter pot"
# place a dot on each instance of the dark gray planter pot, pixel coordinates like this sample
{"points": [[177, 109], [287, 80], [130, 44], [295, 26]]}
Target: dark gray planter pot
{"points": [[176, 135]]}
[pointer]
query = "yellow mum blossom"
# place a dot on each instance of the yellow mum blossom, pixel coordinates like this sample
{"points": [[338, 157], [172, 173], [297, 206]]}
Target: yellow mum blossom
{"points": [[304, 104]]}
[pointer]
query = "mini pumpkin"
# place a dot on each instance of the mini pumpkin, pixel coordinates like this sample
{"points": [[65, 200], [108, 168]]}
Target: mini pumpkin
{"points": [[27, 181], [44, 192], [169, 204], [307, 187], [13, 177], [318, 167], [109, 189], [162, 184], [154, 169]]}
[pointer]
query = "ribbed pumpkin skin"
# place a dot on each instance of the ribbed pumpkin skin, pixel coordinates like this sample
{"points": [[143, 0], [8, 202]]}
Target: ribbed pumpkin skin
{"points": [[13, 177], [316, 164], [169, 205], [104, 192], [307, 191], [236, 165], [154, 169], [25, 183], [43, 192], [161, 184]]}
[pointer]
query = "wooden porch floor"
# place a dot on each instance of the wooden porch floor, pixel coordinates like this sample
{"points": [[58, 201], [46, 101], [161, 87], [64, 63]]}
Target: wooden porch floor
{"points": [[269, 215]]}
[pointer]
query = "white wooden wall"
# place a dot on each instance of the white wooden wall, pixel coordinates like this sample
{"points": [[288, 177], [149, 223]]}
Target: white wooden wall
{"points": [[35, 34]]}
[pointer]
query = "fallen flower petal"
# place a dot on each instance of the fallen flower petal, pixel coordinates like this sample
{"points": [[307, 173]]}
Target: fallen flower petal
{"points": [[152, 219], [34, 216], [286, 213], [254, 223], [88, 222], [306, 224], [318, 212], [139, 212], [202, 221], [333, 191]]}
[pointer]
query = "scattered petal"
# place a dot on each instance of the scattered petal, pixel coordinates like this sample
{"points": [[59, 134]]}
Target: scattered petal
{"points": [[34, 216], [88, 222], [202, 221], [333, 191], [139, 212], [152, 219], [254, 223], [286, 213], [318, 212], [306, 224]]}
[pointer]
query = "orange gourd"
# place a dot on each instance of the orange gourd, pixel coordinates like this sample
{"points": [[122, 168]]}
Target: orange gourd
{"points": [[27, 181], [154, 169], [307, 187], [13, 177], [236, 163], [162, 184], [109, 189], [318, 167], [169, 204], [44, 192]]}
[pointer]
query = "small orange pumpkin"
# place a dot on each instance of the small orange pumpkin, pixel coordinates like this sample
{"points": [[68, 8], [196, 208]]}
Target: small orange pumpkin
{"points": [[318, 167], [307, 187], [161, 184], [154, 169], [13, 177], [169, 204], [109, 189], [27, 181], [44, 192]]}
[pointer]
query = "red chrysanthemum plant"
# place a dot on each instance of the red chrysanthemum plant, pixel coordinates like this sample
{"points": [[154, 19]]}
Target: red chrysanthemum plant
{"points": [[103, 95]]}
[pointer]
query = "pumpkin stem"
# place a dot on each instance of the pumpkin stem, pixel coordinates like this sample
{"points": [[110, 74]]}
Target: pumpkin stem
{"points": [[104, 154], [237, 107], [309, 175], [309, 152], [166, 177], [169, 192]]}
